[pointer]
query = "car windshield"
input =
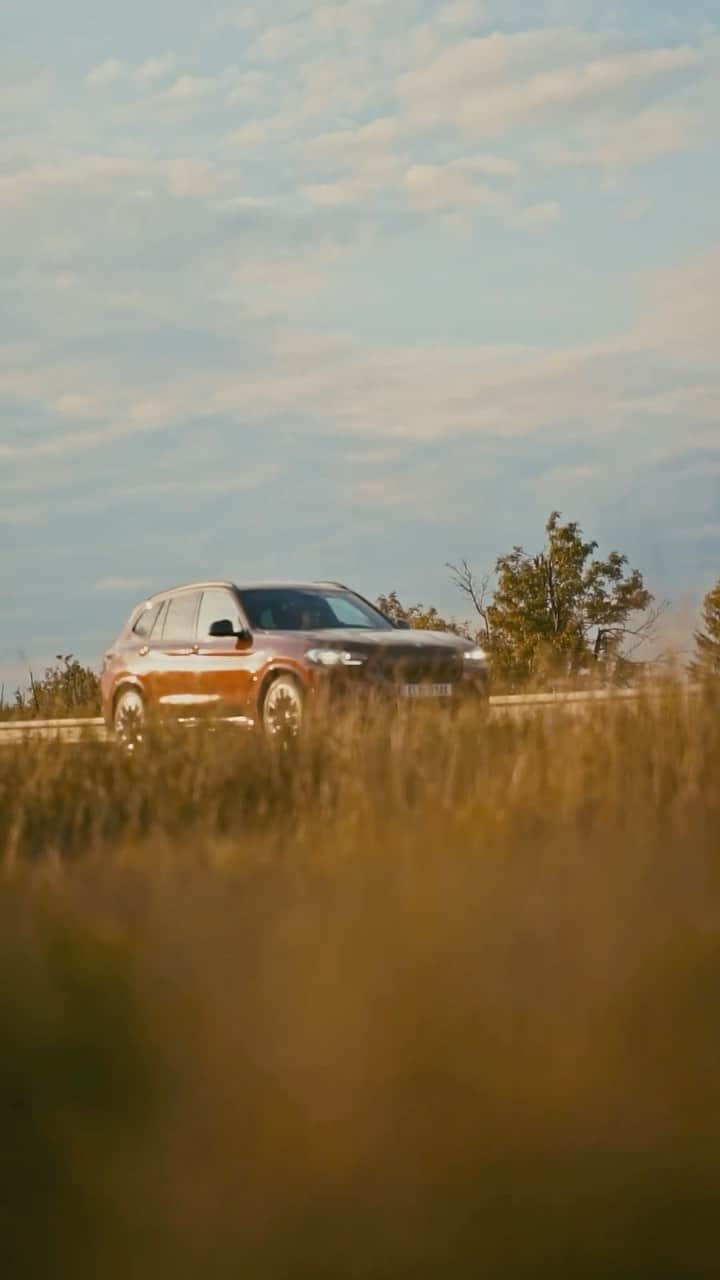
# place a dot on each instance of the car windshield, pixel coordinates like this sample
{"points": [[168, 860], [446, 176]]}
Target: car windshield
{"points": [[302, 609]]}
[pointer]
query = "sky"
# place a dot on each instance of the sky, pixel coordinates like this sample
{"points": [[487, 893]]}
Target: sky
{"points": [[349, 289]]}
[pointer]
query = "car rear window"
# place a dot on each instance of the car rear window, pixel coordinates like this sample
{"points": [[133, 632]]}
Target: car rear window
{"points": [[180, 617], [147, 619], [157, 630]]}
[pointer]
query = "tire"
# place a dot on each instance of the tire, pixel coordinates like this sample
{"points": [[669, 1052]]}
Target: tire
{"points": [[129, 719], [283, 709]]}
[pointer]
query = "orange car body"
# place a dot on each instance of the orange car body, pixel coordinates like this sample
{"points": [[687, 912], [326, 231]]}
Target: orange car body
{"points": [[215, 648]]}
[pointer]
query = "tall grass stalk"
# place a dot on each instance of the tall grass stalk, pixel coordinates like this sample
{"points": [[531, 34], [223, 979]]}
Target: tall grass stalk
{"points": [[411, 999]]}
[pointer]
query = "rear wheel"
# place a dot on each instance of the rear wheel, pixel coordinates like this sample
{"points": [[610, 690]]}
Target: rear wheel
{"points": [[283, 709], [129, 719]]}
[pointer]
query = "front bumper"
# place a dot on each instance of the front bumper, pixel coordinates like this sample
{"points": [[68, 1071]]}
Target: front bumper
{"points": [[341, 684]]}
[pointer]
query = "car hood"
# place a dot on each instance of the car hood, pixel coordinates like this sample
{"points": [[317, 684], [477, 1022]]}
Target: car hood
{"points": [[356, 638]]}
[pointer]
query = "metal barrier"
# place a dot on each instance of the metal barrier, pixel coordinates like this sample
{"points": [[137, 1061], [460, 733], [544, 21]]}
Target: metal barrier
{"points": [[94, 729], [13, 731]]}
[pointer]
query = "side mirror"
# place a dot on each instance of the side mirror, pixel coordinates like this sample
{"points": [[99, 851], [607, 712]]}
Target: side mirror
{"points": [[402, 624], [224, 629]]}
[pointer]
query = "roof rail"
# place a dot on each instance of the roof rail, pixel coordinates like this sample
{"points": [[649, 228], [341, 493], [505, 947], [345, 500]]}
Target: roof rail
{"points": [[190, 586]]}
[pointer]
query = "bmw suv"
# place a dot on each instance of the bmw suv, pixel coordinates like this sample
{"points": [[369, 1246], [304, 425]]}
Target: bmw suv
{"points": [[261, 654]]}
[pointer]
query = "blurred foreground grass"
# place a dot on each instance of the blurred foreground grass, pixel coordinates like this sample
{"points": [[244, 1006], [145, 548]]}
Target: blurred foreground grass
{"points": [[412, 1000]]}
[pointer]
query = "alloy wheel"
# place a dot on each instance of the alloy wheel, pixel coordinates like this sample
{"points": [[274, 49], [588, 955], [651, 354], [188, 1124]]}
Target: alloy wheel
{"points": [[283, 709], [129, 719]]}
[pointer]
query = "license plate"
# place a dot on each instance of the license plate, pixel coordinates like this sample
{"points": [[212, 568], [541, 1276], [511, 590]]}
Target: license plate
{"points": [[426, 690]]}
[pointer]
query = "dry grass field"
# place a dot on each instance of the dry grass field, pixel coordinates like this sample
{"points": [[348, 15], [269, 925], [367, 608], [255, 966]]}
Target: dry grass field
{"points": [[411, 999]]}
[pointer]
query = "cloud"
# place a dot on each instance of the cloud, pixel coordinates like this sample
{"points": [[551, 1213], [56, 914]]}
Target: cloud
{"points": [[17, 95], [97, 173], [615, 149], [451, 186], [262, 131], [247, 87], [277, 43], [241, 19], [280, 285], [343, 84], [188, 88], [107, 72], [190, 177], [662, 370], [446, 21], [159, 230], [228, 481], [349, 145], [176, 102], [683, 315], [376, 174], [490, 84], [78, 405], [156, 68], [341, 193], [489, 166], [27, 184], [65, 443], [459, 187], [362, 163], [431, 392], [536, 215], [461, 13], [594, 92], [656, 132]]}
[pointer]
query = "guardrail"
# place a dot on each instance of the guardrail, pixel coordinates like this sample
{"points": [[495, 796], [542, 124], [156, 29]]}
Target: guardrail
{"points": [[94, 729], [59, 730], [586, 697]]}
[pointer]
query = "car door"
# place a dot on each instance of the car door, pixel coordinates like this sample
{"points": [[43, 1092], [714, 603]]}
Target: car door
{"points": [[225, 664], [172, 661], [144, 650]]}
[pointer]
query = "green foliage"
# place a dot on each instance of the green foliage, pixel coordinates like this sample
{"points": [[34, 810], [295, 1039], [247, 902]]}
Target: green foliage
{"points": [[558, 614], [707, 640], [66, 689], [420, 617], [562, 610]]}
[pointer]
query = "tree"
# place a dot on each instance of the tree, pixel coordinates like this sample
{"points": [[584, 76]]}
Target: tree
{"points": [[420, 617], [66, 689], [476, 592], [561, 610], [707, 640]]}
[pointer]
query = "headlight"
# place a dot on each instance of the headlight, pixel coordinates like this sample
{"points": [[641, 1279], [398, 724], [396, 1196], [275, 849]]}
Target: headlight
{"points": [[475, 655], [334, 658]]}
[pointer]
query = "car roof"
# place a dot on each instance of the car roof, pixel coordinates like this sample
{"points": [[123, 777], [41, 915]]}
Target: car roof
{"points": [[291, 586], [264, 584]]}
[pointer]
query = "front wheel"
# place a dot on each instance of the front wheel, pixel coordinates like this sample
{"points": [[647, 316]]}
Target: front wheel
{"points": [[129, 719], [283, 709]]}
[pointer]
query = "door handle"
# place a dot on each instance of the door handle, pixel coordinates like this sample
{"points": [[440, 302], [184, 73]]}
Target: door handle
{"points": [[144, 651]]}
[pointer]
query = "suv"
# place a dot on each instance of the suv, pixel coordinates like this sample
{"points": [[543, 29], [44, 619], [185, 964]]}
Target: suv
{"points": [[261, 654]]}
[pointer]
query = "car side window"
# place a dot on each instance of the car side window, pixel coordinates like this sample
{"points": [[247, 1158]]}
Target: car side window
{"points": [[180, 618], [216, 605], [145, 623], [159, 622]]}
